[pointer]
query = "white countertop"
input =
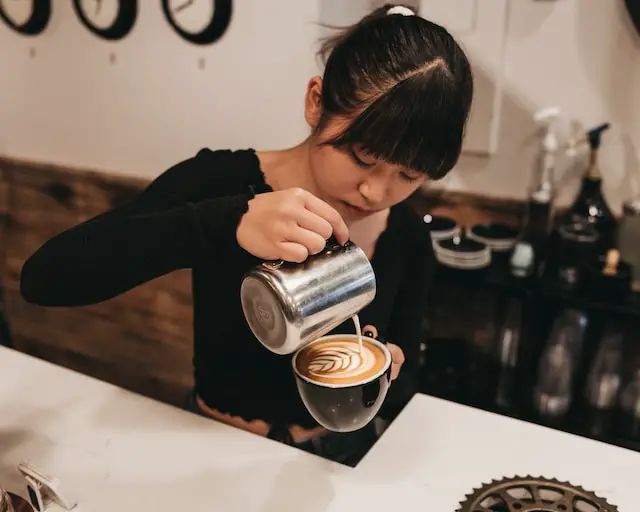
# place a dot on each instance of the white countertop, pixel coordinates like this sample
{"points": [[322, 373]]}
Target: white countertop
{"points": [[115, 451]]}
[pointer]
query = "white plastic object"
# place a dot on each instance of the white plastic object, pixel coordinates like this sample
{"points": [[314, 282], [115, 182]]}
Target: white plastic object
{"points": [[547, 118], [401, 9], [522, 259], [46, 489], [549, 146]]}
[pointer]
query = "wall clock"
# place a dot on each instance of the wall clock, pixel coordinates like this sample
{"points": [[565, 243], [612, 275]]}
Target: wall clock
{"points": [[198, 21], [27, 17], [107, 19], [633, 6]]}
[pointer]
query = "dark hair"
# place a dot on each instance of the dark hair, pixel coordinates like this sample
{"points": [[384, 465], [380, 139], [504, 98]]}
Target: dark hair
{"points": [[406, 86]]}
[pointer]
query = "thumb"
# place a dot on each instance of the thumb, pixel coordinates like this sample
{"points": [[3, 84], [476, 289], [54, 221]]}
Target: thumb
{"points": [[370, 331]]}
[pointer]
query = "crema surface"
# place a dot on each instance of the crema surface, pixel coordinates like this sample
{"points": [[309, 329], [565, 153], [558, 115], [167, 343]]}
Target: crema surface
{"points": [[339, 361]]}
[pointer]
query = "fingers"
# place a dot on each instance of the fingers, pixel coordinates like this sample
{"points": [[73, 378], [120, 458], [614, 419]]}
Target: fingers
{"points": [[397, 355], [397, 360], [313, 242], [291, 251], [312, 222], [331, 215]]}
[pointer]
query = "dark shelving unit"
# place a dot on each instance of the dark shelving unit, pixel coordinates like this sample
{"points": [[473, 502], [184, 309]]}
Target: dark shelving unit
{"points": [[454, 365]]}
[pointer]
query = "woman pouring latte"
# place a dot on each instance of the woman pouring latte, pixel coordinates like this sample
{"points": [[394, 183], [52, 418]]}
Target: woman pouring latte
{"points": [[387, 114]]}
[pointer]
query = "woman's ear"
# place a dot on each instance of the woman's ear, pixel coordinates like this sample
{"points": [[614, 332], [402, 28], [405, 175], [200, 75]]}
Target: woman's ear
{"points": [[313, 102]]}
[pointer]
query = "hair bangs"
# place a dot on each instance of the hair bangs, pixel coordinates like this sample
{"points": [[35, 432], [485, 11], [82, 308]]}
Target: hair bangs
{"points": [[418, 124]]}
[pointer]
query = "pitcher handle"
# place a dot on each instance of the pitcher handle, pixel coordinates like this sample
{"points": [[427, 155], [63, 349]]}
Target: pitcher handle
{"points": [[330, 246], [333, 245]]}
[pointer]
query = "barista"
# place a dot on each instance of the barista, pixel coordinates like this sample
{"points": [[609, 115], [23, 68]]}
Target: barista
{"points": [[387, 115]]}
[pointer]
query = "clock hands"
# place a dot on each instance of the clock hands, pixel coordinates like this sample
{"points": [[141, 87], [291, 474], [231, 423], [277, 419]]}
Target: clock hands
{"points": [[188, 3], [98, 6]]}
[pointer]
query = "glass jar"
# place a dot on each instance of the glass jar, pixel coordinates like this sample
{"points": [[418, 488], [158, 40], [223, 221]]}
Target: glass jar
{"points": [[577, 248]]}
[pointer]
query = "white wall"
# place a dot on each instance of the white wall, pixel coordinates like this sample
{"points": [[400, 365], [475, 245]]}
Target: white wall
{"points": [[583, 56], [154, 106]]}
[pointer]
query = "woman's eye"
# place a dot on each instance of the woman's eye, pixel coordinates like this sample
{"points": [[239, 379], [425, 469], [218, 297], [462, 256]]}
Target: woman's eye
{"points": [[409, 177], [360, 161]]}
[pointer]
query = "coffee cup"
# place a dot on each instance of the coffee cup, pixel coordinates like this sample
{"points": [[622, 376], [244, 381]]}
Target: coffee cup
{"points": [[342, 387]]}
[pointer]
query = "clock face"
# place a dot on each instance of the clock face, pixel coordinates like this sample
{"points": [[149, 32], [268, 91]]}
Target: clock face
{"points": [[198, 21], [192, 16], [102, 14], [18, 12], [27, 17], [108, 19]]}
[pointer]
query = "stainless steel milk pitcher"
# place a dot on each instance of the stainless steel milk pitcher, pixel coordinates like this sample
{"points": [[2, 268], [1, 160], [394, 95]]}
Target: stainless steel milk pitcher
{"points": [[288, 305]]}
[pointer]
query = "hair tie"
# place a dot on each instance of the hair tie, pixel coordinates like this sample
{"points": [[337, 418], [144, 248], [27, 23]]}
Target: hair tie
{"points": [[401, 9]]}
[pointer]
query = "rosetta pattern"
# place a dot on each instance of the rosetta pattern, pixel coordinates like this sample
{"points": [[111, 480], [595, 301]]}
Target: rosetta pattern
{"points": [[340, 360]]}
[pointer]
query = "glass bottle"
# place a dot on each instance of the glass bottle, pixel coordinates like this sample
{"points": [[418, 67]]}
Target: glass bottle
{"points": [[552, 394]]}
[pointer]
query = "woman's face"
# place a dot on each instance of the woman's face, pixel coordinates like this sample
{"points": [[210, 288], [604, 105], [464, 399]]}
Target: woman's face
{"points": [[354, 183]]}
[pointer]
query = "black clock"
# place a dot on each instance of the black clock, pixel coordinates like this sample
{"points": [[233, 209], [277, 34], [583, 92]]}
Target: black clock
{"points": [[27, 17], [198, 21], [107, 19], [633, 6]]}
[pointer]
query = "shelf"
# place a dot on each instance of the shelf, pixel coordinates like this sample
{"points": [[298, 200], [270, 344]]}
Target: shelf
{"points": [[455, 371], [497, 277], [627, 305]]}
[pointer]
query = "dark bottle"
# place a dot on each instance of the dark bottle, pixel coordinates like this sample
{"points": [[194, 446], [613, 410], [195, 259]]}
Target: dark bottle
{"points": [[536, 232], [539, 214], [590, 203]]}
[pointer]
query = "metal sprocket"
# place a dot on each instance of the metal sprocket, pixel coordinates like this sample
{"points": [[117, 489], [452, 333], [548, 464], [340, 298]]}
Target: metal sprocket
{"points": [[530, 494]]}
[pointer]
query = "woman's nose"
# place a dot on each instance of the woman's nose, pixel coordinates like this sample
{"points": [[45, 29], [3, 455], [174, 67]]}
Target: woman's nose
{"points": [[373, 190]]}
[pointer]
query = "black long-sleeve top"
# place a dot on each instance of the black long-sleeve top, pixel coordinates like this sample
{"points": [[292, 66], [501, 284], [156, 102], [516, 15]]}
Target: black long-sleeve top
{"points": [[187, 218]]}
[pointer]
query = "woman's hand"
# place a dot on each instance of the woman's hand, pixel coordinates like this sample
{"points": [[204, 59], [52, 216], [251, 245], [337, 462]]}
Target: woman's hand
{"points": [[397, 356], [289, 225]]}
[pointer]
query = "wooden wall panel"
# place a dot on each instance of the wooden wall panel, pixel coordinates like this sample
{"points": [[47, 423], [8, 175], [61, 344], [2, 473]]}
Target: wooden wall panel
{"points": [[467, 209], [141, 340]]}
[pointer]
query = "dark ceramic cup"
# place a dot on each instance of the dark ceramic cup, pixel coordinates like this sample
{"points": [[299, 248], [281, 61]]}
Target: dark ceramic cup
{"points": [[344, 407]]}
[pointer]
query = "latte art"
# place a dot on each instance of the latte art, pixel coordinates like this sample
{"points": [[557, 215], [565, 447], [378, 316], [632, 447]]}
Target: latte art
{"points": [[340, 360]]}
